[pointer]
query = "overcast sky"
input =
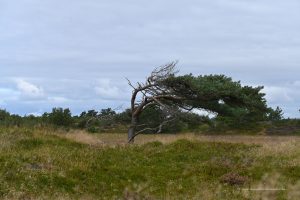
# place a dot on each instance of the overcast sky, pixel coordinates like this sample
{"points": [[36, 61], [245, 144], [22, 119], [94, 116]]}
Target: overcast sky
{"points": [[77, 53]]}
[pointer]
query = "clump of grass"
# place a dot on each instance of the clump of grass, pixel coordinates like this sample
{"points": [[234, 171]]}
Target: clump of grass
{"points": [[233, 178]]}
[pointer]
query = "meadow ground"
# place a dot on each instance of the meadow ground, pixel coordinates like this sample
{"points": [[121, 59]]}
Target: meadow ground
{"points": [[46, 164]]}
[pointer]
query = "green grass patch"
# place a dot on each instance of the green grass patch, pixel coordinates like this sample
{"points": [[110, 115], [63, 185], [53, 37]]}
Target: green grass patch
{"points": [[45, 165]]}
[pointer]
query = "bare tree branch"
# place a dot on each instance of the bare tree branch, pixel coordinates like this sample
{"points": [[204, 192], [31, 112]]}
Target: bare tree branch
{"points": [[151, 92], [158, 128]]}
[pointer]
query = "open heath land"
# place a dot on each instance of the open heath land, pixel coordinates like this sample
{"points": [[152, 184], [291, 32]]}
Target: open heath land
{"points": [[49, 164]]}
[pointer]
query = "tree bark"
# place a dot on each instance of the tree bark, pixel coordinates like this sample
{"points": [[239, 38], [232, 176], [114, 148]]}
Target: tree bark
{"points": [[132, 129]]}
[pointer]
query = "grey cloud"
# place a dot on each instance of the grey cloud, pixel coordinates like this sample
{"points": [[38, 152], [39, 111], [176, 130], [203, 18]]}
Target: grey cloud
{"points": [[66, 48]]}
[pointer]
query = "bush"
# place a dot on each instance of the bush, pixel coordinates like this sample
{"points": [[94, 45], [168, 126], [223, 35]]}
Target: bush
{"points": [[59, 117]]}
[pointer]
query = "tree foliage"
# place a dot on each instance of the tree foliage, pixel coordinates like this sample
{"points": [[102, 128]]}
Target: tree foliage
{"points": [[218, 94], [275, 115]]}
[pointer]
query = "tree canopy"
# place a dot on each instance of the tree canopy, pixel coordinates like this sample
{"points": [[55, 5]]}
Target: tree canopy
{"points": [[218, 94]]}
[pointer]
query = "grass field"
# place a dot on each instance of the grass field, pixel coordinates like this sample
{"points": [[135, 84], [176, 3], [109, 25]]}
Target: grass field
{"points": [[45, 164]]}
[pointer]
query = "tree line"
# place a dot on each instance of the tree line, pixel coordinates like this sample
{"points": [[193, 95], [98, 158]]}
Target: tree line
{"points": [[105, 120], [108, 120]]}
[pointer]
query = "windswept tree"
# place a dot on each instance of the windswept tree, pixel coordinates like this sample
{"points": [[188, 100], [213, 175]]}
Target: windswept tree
{"points": [[214, 93]]}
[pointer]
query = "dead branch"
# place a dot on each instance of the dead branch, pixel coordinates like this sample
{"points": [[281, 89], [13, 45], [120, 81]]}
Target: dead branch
{"points": [[158, 128], [151, 92]]}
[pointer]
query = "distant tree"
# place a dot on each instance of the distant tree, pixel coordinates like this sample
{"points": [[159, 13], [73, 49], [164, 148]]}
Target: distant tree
{"points": [[124, 117], [4, 115], [215, 93], [191, 121], [95, 121], [59, 117], [153, 116], [275, 115], [83, 114], [107, 112], [91, 113], [8, 119], [15, 120], [81, 120], [107, 118]]}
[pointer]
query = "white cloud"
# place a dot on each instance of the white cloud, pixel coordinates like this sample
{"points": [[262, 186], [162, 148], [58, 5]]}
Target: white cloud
{"points": [[275, 94], [37, 114], [58, 99], [108, 91], [29, 90], [7, 94], [296, 83], [252, 41]]}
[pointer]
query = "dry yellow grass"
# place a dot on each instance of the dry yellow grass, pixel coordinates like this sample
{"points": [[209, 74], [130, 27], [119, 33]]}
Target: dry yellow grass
{"points": [[270, 143]]}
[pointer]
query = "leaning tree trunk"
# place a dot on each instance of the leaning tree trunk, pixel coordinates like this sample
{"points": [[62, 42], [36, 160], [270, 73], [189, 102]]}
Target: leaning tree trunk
{"points": [[132, 129]]}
